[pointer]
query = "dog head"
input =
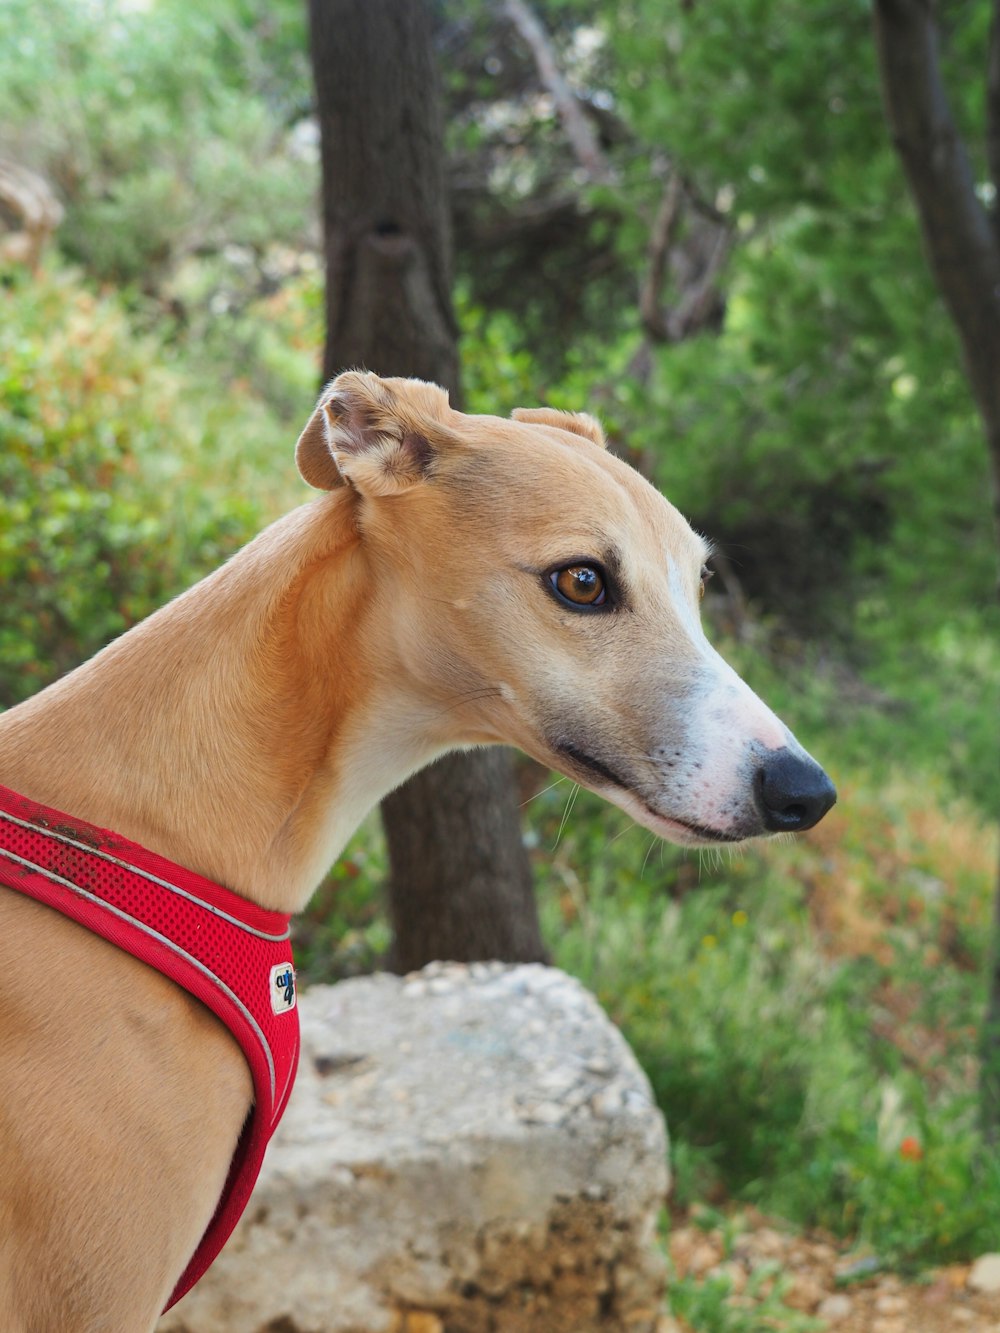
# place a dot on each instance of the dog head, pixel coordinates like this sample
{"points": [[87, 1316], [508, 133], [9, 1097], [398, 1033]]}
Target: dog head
{"points": [[535, 590]]}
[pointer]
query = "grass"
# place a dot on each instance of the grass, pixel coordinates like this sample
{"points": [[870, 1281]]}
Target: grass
{"points": [[806, 1012], [710, 1305], [715, 1301]]}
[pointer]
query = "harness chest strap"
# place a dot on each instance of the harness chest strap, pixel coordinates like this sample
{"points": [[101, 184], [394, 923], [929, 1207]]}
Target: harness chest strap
{"points": [[232, 955]]}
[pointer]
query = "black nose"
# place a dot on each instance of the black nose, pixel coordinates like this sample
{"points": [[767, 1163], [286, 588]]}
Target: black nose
{"points": [[792, 792]]}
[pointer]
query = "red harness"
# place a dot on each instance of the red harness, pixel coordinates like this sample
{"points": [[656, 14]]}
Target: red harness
{"points": [[232, 955]]}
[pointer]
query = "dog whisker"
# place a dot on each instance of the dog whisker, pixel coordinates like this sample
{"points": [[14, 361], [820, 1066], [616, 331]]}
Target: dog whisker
{"points": [[652, 843], [566, 813], [551, 787]]}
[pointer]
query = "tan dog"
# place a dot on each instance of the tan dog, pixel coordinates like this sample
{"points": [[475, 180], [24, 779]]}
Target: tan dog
{"points": [[465, 580]]}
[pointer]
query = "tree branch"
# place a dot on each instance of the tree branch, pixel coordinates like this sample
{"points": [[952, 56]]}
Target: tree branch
{"points": [[661, 239], [695, 307], [581, 137], [697, 297]]}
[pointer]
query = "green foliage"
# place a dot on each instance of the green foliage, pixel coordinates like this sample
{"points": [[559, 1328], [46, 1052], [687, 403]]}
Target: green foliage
{"points": [[706, 1305], [121, 480], [165, 129]]}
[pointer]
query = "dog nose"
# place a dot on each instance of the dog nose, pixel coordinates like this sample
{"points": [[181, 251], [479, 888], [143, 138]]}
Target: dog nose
{"points": [[792, 792]]}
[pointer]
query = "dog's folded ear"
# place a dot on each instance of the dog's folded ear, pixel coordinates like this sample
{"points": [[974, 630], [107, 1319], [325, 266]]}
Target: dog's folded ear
{"points": [[379, 435], [579, 423]]}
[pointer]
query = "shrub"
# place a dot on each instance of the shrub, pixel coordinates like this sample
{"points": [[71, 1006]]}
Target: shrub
{"points": [[106, 511]]}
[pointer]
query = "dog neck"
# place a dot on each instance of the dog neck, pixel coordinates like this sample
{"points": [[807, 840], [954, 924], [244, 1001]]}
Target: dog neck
{"points": [[245, 729]]}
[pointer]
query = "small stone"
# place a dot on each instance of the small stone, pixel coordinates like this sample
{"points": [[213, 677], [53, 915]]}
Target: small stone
{"points": [[804, 1292], [734, 1273], [681, 1244], [769, 1242], [703, 1257], [891, 1305], [821, 1253], [963, 1316], [857, 1270], [834, 1308], [985, 1274], [886, 1325]]}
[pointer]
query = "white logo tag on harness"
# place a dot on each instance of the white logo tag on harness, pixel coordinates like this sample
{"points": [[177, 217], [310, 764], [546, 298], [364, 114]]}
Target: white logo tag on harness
{"points": [[282, 988]]}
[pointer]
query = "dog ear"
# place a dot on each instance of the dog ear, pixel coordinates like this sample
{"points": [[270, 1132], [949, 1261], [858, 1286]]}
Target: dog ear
{"points": [[313, 457], [580, 423], [372, 433]]}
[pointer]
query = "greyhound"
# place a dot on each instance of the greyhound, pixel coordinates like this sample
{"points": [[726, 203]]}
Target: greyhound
{"points": [[461, 581]]}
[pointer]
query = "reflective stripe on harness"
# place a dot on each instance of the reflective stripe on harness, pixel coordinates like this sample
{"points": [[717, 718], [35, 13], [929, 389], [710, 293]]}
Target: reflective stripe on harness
{"points": [[229, 953]]}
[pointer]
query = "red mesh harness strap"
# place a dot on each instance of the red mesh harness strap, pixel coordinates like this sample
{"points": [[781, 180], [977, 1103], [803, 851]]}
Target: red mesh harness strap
{"points": [[229, 953]]}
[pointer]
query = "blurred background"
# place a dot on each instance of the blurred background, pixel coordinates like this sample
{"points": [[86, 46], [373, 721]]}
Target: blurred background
{"points": [[690, 219]]}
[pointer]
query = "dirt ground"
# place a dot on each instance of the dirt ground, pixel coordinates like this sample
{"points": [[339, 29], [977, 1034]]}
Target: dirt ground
{"points": [[824, 1281]]}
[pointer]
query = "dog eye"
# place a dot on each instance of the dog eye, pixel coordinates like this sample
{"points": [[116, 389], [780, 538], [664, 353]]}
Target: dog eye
{"points": [[580, 585], [706, 574]]}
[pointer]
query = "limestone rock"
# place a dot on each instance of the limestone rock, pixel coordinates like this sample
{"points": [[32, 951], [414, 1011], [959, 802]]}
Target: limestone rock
{"points": [[985, 1275], [470, 1149]]}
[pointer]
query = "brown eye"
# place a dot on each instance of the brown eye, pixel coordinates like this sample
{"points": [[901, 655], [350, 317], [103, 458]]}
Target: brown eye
{"points": [[583, 585], [706, 574]]}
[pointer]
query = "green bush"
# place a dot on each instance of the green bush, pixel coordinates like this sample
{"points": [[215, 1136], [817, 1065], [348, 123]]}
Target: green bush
{"points": [[165, 129], [103, 463]]}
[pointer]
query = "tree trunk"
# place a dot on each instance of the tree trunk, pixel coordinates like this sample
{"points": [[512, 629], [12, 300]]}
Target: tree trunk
{"points": [[460, 880], [962, 242]]}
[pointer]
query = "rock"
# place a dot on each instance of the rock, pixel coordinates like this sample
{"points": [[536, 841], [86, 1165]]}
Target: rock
{"points": [[891, 1305], [834, 1308], [467, 1150], [769, 1243], [985, 1274], [804, 1292], [703, 1257]]}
